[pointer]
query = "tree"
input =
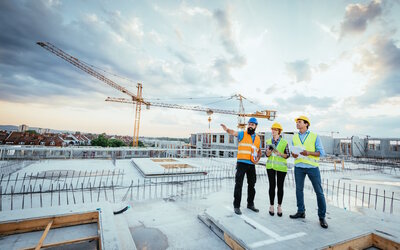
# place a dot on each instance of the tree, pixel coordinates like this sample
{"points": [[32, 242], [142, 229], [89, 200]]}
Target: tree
{"points": [[101, 141], [116, 143]]}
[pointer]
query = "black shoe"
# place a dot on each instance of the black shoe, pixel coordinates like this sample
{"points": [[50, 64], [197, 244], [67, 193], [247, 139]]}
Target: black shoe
{"points": [[323, 223], [271, 213], [253, 208], [279, 214], [237, 211], [298, 215]]}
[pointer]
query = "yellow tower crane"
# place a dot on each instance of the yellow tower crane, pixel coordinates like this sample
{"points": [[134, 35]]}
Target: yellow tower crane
{"points": [[137, 99]]}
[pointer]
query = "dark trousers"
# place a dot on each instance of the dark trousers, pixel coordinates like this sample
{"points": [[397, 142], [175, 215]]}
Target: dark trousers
{"points": [[275, 178], [250, 171]]}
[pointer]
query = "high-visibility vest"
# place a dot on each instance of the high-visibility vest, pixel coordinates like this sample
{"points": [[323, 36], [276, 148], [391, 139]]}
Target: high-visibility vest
{"points": [[276, 162], [309, 144], [245, 145]]}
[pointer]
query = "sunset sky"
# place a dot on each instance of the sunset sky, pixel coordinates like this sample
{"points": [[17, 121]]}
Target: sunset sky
{"points": [[338, 62]]}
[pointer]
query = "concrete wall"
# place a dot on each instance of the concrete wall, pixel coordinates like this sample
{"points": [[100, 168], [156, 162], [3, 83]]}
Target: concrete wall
{"points": [[358, 147], [384, 151]]}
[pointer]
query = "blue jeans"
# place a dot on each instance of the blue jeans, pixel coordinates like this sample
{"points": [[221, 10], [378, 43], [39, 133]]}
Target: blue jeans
{"points": [[315, 178]]}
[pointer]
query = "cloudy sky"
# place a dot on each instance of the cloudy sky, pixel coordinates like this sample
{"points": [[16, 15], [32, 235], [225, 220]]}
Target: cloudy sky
{"points": [[337, 62]]}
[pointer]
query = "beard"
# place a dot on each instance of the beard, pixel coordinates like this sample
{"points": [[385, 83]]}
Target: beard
{"points": [[250, 131]]}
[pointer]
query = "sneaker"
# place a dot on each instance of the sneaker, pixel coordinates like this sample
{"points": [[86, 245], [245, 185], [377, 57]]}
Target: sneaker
{"points": [[237, 211]]}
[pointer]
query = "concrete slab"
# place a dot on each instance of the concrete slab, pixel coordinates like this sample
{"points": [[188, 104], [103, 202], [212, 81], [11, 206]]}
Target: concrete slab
{"points": [[261, 231], [170, 225]]}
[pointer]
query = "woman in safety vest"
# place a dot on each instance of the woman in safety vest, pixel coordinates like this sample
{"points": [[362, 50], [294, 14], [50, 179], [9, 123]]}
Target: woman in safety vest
{"points": [[277, 152]]}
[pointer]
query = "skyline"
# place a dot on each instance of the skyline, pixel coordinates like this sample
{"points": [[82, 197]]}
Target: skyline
{"points": [[336, 62]]}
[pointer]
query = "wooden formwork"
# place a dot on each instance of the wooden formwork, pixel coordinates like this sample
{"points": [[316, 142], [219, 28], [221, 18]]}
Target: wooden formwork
{"points": [[180, 165], [51, 222], [164, 160], [365, 242]]}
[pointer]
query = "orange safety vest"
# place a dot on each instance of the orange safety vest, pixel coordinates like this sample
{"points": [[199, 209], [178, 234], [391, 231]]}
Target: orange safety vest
{"points": [[245, 145]]}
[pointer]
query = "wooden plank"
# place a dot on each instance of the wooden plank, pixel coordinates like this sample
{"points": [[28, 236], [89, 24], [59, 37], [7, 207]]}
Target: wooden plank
{"points": [[90, 238], [232, 243], [99, 229], [39, 245], [383, 243], [356, 243], [38, 224]]}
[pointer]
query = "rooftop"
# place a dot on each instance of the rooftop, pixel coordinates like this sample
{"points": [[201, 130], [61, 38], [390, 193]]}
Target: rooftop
{"points": [[173, 209]]}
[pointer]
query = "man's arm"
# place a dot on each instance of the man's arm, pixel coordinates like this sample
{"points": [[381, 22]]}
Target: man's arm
{"points": [[229, 131], [307, 153]]}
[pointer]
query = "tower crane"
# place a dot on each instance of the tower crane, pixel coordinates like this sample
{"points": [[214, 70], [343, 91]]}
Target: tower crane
{"points": [[265, 114], [137, 99]]}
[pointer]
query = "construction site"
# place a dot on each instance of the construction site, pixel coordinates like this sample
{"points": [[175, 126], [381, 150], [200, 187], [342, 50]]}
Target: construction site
{"points": [[181, 198], [184, 200]]}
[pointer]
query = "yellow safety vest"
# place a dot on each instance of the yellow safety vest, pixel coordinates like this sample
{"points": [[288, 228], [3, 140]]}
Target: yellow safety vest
{"points": [[309, 144], [276, 162], [244, 146]]}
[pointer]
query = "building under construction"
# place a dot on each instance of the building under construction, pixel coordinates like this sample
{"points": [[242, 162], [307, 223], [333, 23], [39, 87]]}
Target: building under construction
{"points": [[181, 198]]}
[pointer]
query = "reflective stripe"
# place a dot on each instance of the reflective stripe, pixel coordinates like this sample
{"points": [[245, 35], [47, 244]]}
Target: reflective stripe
{"points": [[245, 145], [309, 159], [244, 152], [277, 163]]}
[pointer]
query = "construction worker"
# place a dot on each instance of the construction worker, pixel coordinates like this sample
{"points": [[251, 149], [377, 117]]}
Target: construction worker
{"points": [[249, 153], [307, 164], [277, 152]]}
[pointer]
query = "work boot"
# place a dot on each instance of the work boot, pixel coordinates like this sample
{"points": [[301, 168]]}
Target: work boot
{"points": [[237, 211], [298, 215], [253, 208], [323, 223]]}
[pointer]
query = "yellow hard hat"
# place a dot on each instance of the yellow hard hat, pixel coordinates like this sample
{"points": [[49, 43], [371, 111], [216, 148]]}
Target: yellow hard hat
{"points": [[277, 126], [304, 118]]}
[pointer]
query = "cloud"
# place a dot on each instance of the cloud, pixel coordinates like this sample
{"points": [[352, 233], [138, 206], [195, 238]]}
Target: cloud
{"points": [[381, 61], [194, 10], [223, 65], [129, 28], [271, 89], [330, 31], [182, 56], [357, 17], [29, 73], [300, 102], [300, 70]]}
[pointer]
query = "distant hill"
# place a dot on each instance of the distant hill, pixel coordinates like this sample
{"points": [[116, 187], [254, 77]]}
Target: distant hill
{"points": [[9, 127]]}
